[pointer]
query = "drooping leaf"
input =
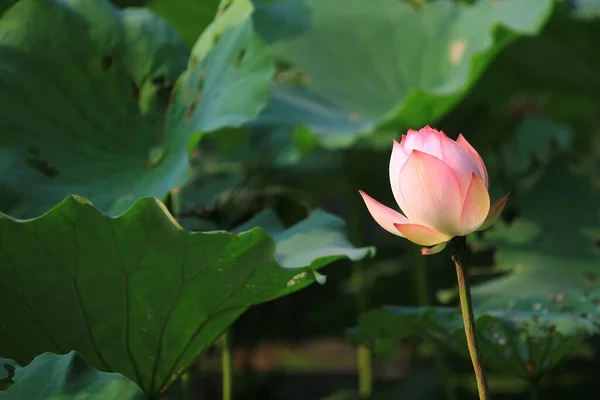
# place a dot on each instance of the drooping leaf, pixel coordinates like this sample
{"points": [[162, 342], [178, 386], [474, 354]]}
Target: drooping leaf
{"points": [[528, 338], [228, 79], [137, 294], [83, 90], [337, 78], [57, 377]]}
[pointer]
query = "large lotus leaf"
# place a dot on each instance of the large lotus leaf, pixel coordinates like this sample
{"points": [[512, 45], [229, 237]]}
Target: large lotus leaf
{"points": [[228, 79], [551, 247], [137, 294], [57, 377], [526, 339], [348, 66], [101, 129], [82, 94]]}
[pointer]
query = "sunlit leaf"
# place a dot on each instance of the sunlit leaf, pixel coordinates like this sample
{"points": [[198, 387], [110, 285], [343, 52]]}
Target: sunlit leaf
{"points": [[139, 295], [56, 377], [349, 66]]}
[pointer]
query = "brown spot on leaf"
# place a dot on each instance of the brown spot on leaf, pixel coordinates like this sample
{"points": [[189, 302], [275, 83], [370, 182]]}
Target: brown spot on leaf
{"points": [[106, 63], [457, 51], [354, 117], [590, 277], [237, 62], [191, 108], [287, 72]]}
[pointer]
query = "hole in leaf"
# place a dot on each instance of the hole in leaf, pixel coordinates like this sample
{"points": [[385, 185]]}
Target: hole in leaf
{"points": [[135, 91], [239, 58], [287, 72], [159, 81], [34, 151], [44, 167], [106, 63], [165, 91]]}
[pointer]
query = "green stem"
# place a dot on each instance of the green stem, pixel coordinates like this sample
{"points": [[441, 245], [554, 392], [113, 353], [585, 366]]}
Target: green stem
{"points": [[364, 357], [227, 366], [421, 284], [535, 389], [466, 306], [186, 388], [356, 213]]}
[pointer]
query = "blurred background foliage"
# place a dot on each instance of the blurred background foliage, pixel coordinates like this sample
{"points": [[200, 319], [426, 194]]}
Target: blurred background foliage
{"points": [[520, 79]]}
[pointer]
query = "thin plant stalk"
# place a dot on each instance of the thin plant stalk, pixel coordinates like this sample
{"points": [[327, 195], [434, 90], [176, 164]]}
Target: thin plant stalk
{"points": [[535, 389], [356, 214], [185, 386], [364, 357], [466, 306], [226, 366], [421, 283]]}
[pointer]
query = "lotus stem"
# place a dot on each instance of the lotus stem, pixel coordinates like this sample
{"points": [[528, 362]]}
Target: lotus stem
{"points": [[466, 306], [226, 366]]}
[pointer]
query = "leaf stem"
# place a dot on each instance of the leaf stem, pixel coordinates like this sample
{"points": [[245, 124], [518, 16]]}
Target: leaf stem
{"points": [[186, 388], [535, 389], [226, 366], [466, 306], [356, 216], [421, 283]]}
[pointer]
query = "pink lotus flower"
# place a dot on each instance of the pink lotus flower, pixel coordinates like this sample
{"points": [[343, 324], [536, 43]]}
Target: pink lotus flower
{"points": [[441, 186]]}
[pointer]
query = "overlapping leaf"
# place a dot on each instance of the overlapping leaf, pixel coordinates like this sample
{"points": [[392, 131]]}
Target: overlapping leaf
{"points": [[228, 78], [87, 106], [137, 294], [83, 90], [349, 66], [527, 338], [56, 377]]}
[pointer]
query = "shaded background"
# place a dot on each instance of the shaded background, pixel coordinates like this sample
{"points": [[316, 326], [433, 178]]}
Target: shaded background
{"points": [[533, 115], [528, 101]]}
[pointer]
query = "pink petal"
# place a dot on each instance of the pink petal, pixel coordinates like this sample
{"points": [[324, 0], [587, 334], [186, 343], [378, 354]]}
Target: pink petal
{"points": [[426, 140], [476, 205], [397, 160], [384, 216], [430, 193], [428, 251], [422, 235], [494, 213], [414, 140], [460, 162], [462, 142]]}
